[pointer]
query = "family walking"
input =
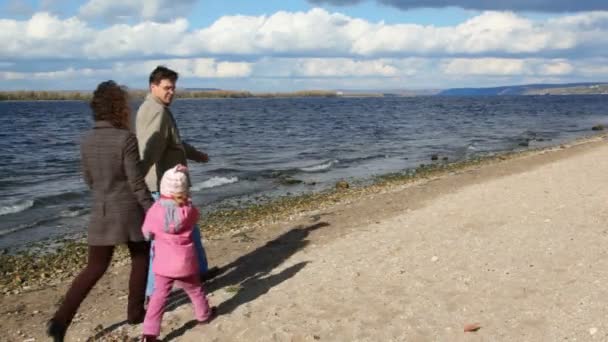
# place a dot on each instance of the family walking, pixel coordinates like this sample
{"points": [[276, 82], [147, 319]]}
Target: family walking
{"points": [[140, 184]]}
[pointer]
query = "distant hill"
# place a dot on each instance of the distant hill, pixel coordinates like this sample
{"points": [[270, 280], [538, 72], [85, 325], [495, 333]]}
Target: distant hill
{"points": [[386, 92], [531, 89], [527, 89], [199, 89]]}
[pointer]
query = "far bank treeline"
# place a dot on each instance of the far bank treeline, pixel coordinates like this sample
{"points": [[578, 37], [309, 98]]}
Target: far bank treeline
{"points": [[26, 95]]}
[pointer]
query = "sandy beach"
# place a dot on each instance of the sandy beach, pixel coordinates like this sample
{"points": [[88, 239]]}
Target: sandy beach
{"points": [[516, 245]]}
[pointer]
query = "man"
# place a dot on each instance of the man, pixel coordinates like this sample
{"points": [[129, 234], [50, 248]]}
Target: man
{"points": [[161, 147]]}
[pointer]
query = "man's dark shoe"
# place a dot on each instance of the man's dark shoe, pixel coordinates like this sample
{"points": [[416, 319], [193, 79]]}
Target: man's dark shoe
{"points": [[137, 320], [56, 331]]}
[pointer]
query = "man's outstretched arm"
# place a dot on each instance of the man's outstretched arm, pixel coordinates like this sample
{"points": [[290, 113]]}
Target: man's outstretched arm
{"points": [[193, 154]]}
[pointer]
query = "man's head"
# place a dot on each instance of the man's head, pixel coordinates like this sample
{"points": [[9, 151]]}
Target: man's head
{"points": [[162, 84]]}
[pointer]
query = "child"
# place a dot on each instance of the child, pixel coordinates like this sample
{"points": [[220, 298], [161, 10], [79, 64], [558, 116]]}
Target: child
{"points": [[170, 222]]}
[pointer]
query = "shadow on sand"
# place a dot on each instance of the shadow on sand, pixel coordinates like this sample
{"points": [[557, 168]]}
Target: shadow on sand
{"points": [[250, 274]]}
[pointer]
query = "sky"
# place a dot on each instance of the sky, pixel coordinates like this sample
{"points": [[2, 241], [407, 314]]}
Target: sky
{"points": [[291, 45]]}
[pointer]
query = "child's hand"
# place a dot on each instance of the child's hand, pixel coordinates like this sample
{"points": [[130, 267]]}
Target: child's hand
{"points": [[148, 236]]}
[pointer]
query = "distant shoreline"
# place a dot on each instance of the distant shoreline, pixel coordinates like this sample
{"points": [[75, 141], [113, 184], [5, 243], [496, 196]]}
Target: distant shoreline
{"points": [[224, 94], [140, 94], [595, 88]]}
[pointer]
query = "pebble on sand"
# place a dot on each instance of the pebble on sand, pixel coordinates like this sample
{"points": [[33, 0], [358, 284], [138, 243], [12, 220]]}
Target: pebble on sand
{"points": [[472, 327], [342, 185]]}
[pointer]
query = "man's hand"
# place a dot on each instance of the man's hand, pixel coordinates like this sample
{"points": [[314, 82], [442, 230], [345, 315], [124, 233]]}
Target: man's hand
{"points": [[201, 157], [194, 154]]}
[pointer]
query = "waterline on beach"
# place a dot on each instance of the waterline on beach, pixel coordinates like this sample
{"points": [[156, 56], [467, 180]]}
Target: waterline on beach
{"points": [[15, 207], [320, 167], [70, 255], [214, 182]]}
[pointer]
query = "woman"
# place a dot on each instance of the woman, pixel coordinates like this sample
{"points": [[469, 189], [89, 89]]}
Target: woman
{"points": [[110, 165]]}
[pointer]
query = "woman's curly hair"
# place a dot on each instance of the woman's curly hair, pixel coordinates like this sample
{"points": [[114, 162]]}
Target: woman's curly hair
{"points": [[110, 103]]}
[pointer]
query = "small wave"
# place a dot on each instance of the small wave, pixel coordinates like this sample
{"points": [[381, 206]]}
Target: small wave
{"points": [[73, 212], [15, 207], [319, 167], [214, 182], [56, 198], [16, 229], [224, 170], [24, 226], [68, 213]]}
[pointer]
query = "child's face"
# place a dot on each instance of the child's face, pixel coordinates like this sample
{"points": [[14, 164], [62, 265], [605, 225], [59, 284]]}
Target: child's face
{"points": [[181, 198]]}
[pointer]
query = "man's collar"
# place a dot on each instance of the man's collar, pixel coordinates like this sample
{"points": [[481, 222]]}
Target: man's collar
{"points": [[150, 96], [103, 124]]}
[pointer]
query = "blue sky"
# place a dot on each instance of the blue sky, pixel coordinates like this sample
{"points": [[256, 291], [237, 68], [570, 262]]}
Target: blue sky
{"points": [[275, 45], [204, 13], [208, 11]]}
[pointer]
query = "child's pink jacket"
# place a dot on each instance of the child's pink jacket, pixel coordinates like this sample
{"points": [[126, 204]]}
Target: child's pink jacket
{"points": [[171, 228]]}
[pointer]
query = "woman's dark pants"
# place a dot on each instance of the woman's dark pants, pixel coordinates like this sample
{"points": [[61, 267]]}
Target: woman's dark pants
{"points": [[98, 261]]}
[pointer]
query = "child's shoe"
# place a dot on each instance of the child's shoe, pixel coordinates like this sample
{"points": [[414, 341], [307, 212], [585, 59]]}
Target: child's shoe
{"points": [[212, 315], [148, 338]]}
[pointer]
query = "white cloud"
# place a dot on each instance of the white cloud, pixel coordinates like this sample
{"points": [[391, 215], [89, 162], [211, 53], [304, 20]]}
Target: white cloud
{"points": [[316, 33], [283, 74], [511, 5], [596, 67], [334, 67], [188, 68], [506, 67], [498, 33], [345, 68], [43, 36], [484, 66], [308, 48], [232, 69], [143, 39], [556, 68], [205, 68], [125, 10], [66, 74]]}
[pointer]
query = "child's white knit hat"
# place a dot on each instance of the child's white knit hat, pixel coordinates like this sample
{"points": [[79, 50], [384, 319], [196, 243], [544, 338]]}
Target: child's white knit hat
{"points": [[175, 181]]}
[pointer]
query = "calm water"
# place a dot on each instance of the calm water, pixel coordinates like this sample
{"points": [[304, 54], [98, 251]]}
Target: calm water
{"points": [[255, 144]]}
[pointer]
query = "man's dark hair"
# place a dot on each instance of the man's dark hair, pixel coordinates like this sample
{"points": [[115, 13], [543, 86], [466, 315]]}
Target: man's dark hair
{"points": [[162, 73]]}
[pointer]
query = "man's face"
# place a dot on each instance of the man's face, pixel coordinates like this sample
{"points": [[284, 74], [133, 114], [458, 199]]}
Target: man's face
{"points": [[164, 91]]}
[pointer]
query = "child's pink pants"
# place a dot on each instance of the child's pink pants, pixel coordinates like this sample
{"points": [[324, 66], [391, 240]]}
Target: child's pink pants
{"points": [[162, 288]]}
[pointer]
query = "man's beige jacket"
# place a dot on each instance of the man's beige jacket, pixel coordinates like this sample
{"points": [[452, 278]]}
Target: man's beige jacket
{"points": [[160, 145]]}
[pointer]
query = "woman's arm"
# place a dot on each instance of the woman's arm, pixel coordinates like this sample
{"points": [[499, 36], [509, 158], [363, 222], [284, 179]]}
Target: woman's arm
{"points": [[86, 173], [135, 174]]}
